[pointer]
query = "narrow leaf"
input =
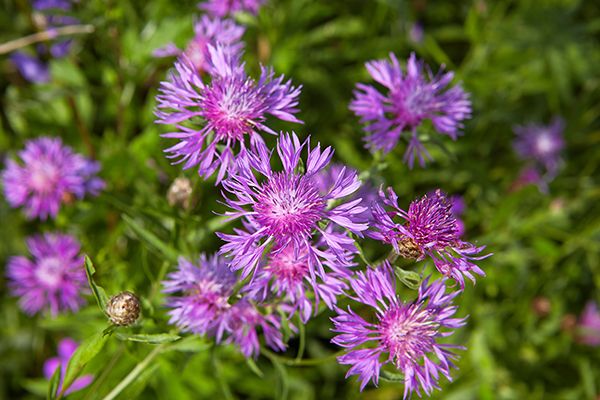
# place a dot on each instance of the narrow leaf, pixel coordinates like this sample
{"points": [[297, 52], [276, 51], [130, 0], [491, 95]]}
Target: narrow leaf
{"points": [[252, 365], [84, 353], [152, 240], [53, 385], [149, 338], [191, 344], [391, 377], [99, 293]]}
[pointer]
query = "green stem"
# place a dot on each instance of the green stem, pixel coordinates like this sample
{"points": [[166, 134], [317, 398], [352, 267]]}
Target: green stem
{"points": [[135, 372], [94, 389], [294, 363], [302, 333]]}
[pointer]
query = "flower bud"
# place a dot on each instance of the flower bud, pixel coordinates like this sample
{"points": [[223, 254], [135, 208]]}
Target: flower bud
{"points": [[541, 306], [123, 308], [179, 192]]}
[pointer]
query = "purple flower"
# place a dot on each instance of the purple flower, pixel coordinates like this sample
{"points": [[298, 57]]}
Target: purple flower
{"points": [[30, 67], [220, 8], [589, 324], [417, 32], [287, 208], [208, 31], [50, 173], [240, 322], [53, 280], [325, 180], [541, 143], [530, 175], [458, 207], [286, 275], [66, 349], [410, 100], [206, 289], [232, 106], [405, 331], [429, 228], [43, 5]]}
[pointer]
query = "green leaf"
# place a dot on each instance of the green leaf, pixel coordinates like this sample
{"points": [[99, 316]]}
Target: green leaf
{"points": [[84, 353], [152, 240], [391, 377], [252, 365], [101, 297], [39, 386], [411, 279], [53, 385], [285, 325], [157, 338], [191, 344]]}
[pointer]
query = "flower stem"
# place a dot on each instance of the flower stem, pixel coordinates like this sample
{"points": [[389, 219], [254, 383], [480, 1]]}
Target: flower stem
{"points": [[44, 36], [105, 373], [293, 362]]}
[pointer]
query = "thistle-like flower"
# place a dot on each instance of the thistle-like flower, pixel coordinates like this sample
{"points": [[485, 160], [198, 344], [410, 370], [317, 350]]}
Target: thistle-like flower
{"points": [[50, 173], [411, 99], [406, 332], [66, 349], [286, 209], [286, 276], [589, 324], [541, 143], [429, 228], [221, 8], [208, 31], [54, 279], [32, 69], [206, 289], [232, 106]]}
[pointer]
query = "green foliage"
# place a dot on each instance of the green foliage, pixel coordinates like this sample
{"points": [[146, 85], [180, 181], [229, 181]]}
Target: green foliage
{"points": [[520, 60]]}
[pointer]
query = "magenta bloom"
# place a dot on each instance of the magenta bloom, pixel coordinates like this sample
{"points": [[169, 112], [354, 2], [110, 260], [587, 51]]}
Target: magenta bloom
{"points": [[541, 143], [54, 279], [66, 349], [406, 332], [220, 8], [50, 172], [589, 324], [287, 208], [31, 68], [287, 276], [208, 31], [240, 323], [206, 290], [232, 106], [411, 99], [429, 228]]}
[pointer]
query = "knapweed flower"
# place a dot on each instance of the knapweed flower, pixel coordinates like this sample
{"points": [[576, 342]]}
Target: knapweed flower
{"points": [[411, 99], [208, 31], [286, 209], [240, 322], [589, 324], [232, 106], [31, 68], [287, 276], [44, 5], [541, 143], [458, 207], [530, 175], [54, 279], [206, 289], [66, 349], [51, 172], [221, 8], [326, 178], [429, 228], [406, 332]]}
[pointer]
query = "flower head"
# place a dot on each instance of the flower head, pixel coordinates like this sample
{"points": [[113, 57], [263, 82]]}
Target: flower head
{"points": [[285, 275], [589, 324], [208, 31], [66, 349], [288, 209], [221, 8], [429, 228], [406, 332], [541, 143], [32, 69], [43, 5], [50, 172], [53, 280], [206, 289], [411, 99], [232, 106]]}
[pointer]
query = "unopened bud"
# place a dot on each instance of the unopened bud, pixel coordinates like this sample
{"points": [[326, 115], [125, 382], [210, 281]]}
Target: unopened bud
{"points": [[123, 308], [541, 306], [409, 248], [179, 193]]}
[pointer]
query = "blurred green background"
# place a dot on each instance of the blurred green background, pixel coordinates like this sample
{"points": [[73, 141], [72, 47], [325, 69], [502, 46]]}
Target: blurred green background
{"points": [[521, 61]]}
